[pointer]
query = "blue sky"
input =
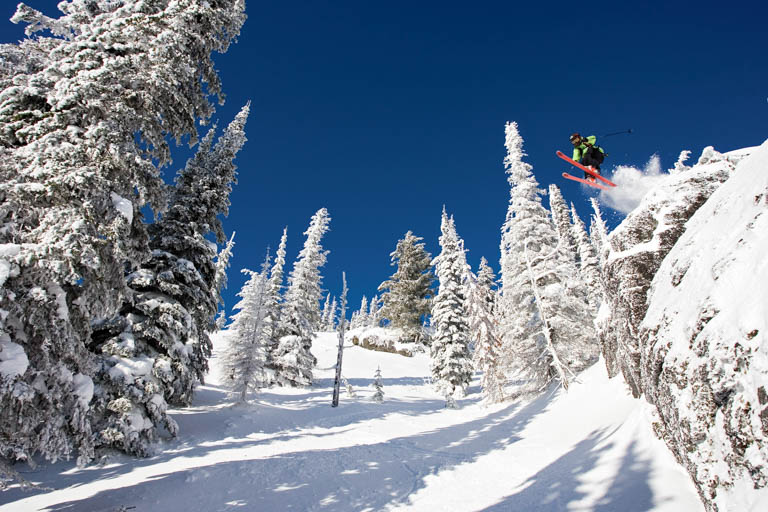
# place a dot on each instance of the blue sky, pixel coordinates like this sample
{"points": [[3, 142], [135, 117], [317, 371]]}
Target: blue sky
{"points": [[384, 112]]}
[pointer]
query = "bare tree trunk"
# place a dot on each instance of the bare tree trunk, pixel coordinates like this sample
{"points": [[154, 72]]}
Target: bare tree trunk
{"points": [[342, 324]]}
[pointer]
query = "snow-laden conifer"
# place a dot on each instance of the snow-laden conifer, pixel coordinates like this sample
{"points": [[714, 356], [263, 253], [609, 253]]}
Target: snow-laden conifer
{"points": [[406, 296], [547, 325], [300, 317], [157, 349], [374, 312], [248, 336], [348, 387], [589, 262], [330, 324], [451, 362], [598, 232], [220, 280], [87, 111], [562, 219], [325, 312], [363, 312], [360, 317], [378, 385], [485, 332], [274, 294]]}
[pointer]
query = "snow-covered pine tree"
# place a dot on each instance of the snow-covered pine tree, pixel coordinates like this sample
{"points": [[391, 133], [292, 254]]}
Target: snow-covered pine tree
{"points": [[220, 281], [330, 326], [363, 312], [275, 290], [562, 219], [547, 325], [350, 390], [157, 349], [485, 331], [248, 336], [406, 296], [326, 311], [451, 362], [374, 312], [589, 263], [598, 232], [360, 317], [80, 153], [378, 385], [354, 321], [300, 317]]}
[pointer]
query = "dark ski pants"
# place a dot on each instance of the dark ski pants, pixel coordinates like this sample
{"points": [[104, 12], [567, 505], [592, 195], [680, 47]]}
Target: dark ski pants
{"points": [[593, 157]]}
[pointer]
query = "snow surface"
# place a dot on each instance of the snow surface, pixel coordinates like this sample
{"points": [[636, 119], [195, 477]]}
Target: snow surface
{"points": [[123, 206], [588, 450], [83, 388], [7, 251], [13, 360]]}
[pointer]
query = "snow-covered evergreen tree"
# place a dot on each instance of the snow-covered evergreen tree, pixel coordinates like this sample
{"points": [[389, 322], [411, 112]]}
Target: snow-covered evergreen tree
{"points": [[220, 281], [157, 349], [360, 317], [300, 317], [378, 385], [562, 219], [374, 312], [330, 325], [325, 312], [87, 111], [348, 387], [406, 296], [485, 331], [363, 312], [274, 294], [451, 362], [598, 233], [547, 324], [589, 263], [248, 336]]}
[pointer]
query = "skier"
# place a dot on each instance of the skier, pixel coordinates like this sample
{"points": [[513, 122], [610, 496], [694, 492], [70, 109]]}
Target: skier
{"points": [[587, 153]]}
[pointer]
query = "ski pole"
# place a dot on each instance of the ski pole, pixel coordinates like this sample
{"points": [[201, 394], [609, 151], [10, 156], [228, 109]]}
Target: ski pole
{"points": [[618, 133]]}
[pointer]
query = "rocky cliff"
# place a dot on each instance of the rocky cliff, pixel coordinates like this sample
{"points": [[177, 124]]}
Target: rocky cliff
{"points": [[685, 282]]}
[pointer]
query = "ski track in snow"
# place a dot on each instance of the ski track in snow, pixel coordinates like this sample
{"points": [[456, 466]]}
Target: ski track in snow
{"points": [[588, 450]]}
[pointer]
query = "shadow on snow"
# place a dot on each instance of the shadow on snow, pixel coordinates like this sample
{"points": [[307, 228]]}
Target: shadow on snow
{"points": [[558, 486], [361, 477]]}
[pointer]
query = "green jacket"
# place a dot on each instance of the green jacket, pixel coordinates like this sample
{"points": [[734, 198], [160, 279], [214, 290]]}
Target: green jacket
{"points": [[579, 151]]}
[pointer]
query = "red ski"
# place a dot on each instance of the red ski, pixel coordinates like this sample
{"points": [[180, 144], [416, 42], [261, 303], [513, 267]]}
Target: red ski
{"points": [[586, 169], [586, 182]]}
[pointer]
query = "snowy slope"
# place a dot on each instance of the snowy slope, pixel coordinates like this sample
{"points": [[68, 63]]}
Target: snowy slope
{"points": [[590, 449]]}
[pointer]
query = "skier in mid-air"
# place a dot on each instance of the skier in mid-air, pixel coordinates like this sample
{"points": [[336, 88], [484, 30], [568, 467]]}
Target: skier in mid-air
{"points": [[587, 153]]}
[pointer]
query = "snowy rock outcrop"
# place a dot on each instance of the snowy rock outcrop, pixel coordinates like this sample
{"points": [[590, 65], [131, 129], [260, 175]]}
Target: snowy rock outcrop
{"points": [[688, 320], [637, 248], [704, 344]]}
